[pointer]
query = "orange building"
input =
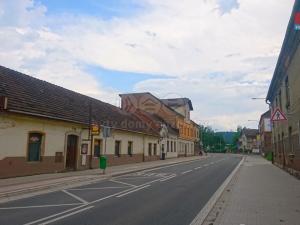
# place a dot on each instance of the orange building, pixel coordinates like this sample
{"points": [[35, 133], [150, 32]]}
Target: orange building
{"points": [[176, 112]]}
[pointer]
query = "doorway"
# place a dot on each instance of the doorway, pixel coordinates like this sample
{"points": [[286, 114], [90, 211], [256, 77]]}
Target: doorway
{"points": [[71, 156]]}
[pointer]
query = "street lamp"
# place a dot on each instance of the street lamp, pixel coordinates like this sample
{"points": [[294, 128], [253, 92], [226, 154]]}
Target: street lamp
{"points": [[258, 98]]}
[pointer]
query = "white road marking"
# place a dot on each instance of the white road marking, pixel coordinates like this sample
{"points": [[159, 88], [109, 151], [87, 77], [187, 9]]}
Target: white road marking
{"points": [[120, 182], [39, 206], [57, 214], [75, 196], [128, 178], [129, 192], [168, 178], [188, 171], [197, 168], [67, 215], [100, 188]]}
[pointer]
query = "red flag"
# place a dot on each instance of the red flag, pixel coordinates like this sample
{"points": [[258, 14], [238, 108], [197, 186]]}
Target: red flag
{"points": [[297, 18]]}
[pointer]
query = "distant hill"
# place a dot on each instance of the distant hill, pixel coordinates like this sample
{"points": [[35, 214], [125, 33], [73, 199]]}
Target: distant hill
{"points": [[227, 135]]}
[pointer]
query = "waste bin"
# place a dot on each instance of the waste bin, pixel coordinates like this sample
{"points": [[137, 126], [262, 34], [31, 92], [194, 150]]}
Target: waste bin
{"points": [[163, 156], [102, 162]]}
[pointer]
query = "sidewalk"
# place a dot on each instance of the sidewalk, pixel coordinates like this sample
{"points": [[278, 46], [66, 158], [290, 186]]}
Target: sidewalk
{"points": [[259, 194], [19, 187]]}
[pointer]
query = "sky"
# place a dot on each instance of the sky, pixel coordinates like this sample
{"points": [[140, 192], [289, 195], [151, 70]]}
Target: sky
{"points": [[218, 53]]}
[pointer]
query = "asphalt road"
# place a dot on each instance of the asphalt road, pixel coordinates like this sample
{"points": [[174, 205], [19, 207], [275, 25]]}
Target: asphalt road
{"points": [[172, 195]]}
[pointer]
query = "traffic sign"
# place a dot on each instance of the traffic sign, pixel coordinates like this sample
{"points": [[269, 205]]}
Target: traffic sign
{"points": [[95, 129], [278, 115]]}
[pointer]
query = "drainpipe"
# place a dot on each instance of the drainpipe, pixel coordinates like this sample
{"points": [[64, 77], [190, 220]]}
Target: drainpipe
{"points": [[143, 148]]}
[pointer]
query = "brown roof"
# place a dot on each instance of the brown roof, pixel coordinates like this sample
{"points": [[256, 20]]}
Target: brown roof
{"points": [[160, 100], [176, 102], [35, 97], [250, 132], [265, 115]]}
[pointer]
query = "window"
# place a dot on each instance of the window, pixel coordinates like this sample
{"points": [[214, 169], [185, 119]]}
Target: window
{"points": [[287, 92], [280, 100], [129, 149], [171, 146], [34, 147], [174, 146], [150, 149], [168, 146], [154, 149], [299, 133], [291, 147], [117, 148], [97, 147]]}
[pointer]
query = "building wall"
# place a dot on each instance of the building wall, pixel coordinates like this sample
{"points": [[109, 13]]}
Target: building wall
{"points": [[146, 102], [286, 138], [186, 148], [14, 131]]}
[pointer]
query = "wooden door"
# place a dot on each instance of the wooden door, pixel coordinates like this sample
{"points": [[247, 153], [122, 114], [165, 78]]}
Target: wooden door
{"points": [[71, 156]]}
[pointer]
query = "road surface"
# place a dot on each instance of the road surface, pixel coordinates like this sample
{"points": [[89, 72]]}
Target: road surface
{"points": [[170, 195]]}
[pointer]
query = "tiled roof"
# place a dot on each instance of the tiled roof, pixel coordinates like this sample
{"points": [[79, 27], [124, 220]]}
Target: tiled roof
{"points": [[176, 102], [32, 96], [250, 132], [141, 94]]}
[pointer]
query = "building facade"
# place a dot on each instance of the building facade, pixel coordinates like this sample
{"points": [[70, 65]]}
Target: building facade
{"points": [[176, 113], [265, 133], [284, 94], [248, 142], [45, 128]]}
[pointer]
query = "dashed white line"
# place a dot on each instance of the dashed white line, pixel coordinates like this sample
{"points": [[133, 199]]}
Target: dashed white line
{"points": [[129, 192], [197, 168], [168, 178], [188, 171]]}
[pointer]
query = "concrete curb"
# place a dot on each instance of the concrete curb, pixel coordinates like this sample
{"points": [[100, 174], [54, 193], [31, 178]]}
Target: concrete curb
{"points": [[43, 189], [199, 219]]}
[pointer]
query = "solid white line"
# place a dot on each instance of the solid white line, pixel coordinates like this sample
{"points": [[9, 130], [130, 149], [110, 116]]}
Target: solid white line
{"points": [[120, 182], [188, 171], [129, 192], [168, 178], [57, 214], [199, 219], [67, 215], [75, 196], [39, 206], [100, 188]]}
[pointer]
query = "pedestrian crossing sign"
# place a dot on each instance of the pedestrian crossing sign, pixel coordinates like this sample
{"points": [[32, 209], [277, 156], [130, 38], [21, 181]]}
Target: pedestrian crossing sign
{"points": [[278, 115]]}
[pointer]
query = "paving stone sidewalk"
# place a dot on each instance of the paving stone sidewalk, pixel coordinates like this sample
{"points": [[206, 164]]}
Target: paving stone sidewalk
{"points": [[259, 194], [13, 188]]}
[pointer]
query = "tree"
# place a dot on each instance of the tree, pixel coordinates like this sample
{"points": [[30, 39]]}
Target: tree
{"points": [[236, 138]]}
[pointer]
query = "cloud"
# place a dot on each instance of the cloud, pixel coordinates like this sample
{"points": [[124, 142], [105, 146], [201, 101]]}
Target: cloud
{"points": [[221, 53]]}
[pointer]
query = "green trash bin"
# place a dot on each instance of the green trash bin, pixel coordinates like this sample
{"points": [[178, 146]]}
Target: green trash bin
{"points": [[102, 162]]}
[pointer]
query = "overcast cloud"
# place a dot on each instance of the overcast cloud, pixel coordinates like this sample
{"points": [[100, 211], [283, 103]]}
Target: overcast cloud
{"points": [[217, 53]]}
